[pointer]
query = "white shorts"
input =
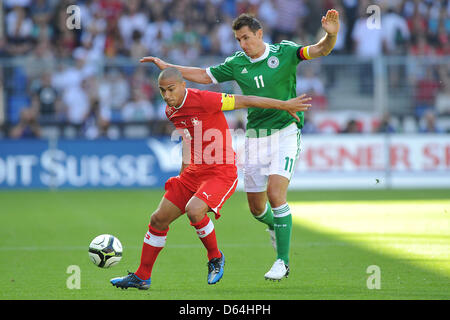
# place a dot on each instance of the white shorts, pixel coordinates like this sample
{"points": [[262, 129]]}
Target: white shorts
{"points": [[274, 154]]}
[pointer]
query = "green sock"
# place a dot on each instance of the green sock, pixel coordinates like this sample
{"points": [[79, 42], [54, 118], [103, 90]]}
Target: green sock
{"points": [[266, 217], [283, 230]]}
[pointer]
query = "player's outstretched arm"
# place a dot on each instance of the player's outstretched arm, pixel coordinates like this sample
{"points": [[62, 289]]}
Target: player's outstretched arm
{"points": [[292, 106], [193, 74], [330, 23]]}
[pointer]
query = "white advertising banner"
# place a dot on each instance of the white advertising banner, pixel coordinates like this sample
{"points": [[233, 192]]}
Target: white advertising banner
{"points": [[327, 161], [371, 161]]}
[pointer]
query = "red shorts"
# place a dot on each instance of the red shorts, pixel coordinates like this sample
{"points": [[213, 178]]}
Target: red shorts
{"points": [[212, 184]]}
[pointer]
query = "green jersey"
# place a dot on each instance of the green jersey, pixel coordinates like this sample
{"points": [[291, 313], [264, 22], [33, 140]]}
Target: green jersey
{"points": [[272, 75]]}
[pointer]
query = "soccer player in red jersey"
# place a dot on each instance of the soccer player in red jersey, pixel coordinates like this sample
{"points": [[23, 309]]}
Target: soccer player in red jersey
{"points": [[208, 175]]}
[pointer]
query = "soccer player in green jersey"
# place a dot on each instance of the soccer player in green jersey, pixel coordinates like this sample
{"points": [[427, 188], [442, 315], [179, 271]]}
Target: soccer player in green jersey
{"points": [[273, 136]]}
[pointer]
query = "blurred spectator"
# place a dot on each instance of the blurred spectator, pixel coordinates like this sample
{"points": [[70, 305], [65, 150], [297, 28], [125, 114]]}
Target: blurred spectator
{"points": [[395, 38], [420, 47], [310, 83], [367, 41], [28, 126], [114, 90], [186, 52], [442, 41], [140, 82], [268, 15], [137, 49], [76, 103], [70, 76], [395, 31], [367, 44], [19, 29], [225, 36], [309, 126], [437, 14], [132, 20], [46, 98], [352, 126], [4, 52], [88, 56], [40, 60], [428, 123], [114, 44], [443, 96], [443, 101], [386, 125], [289, 19], [158, 34], [317, 9], [313, 86], [193, 31], [66, 40], [14, 3], [96, 122], [41, 13], [109, 26], [417, 22], [426, 89], [111, 8], [95, 26], [139, 109], [249, 6]]}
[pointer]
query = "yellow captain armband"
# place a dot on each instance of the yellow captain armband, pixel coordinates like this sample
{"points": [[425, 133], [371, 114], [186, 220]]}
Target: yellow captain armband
{"points": [[228, 102], [304, 53]]}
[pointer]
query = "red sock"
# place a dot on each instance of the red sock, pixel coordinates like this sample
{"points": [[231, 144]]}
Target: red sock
{"points": [[154, 242], [207, 234]]}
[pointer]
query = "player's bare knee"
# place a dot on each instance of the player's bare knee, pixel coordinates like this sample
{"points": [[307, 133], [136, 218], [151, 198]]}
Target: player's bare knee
{"points": [[158, 222], [276, 197], [257, 207], [257, 203], [195, 213]]}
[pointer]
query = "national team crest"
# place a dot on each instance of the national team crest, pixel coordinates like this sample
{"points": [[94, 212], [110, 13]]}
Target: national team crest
{"points": [[195, 121], [169, 111], [273, 62]]}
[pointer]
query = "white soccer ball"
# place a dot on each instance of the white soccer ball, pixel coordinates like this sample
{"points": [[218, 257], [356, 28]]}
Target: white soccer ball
{"points": [[105, 251]]}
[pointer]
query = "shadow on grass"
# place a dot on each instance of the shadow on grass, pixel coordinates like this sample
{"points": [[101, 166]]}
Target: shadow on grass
{"points": [[328, 266]]}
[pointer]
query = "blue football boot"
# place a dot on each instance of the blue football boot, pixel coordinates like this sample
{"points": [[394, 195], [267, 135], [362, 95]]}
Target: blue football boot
{"points": [[131, 281], [215, 269]]}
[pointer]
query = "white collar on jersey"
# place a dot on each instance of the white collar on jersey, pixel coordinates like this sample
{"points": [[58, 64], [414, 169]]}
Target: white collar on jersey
{"points": [[182, 103], [264, 55]]}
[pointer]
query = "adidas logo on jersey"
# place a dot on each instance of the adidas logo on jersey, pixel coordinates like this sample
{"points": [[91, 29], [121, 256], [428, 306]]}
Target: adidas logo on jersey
{"points": [[244, 70]]}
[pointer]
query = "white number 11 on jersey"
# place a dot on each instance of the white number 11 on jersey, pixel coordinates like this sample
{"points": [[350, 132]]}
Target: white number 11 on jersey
{"points": [[259, 81]]}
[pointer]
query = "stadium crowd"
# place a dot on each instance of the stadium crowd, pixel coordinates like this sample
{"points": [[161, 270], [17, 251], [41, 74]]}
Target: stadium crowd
{"points": [[43, 87]]}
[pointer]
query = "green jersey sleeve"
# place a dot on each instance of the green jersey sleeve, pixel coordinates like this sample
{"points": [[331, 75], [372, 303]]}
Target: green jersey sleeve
{"points": [[297, 52], [222, 72]]}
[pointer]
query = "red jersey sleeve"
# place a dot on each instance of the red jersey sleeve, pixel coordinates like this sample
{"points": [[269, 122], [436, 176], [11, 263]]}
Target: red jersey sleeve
{"points": [[211, 101], [215, 102]]}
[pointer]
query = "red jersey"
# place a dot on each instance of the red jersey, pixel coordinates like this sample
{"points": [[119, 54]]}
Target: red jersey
{"points": [[201, 122]]}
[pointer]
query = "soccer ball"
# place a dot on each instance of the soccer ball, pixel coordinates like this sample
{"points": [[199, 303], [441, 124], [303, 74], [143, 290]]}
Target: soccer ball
{"points": [[105, 251]]}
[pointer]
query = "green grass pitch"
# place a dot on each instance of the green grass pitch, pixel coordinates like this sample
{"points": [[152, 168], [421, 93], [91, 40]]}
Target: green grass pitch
{"points": [[337, 236]]}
